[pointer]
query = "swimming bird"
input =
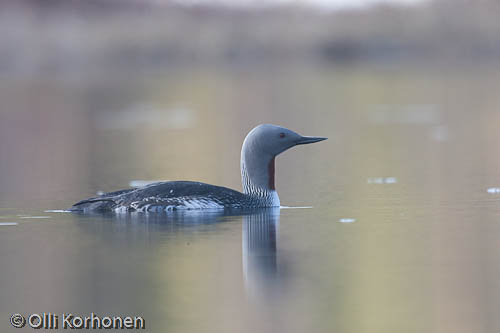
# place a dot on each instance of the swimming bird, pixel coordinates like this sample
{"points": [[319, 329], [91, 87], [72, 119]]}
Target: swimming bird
{"points": [[260, 147]]}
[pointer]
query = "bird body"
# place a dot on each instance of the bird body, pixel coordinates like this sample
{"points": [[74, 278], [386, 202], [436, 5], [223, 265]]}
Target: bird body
{"points": [[258, 154]]}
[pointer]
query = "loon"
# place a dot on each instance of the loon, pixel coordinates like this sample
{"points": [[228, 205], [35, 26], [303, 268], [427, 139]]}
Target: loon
{"points": [[260, 147]]}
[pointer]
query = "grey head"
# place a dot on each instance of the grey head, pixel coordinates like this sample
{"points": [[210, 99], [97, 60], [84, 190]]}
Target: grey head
{"points": [[259, 150]]}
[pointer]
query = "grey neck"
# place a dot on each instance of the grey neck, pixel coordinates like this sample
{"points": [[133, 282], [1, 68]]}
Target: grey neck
{"points": [[257, 172]]}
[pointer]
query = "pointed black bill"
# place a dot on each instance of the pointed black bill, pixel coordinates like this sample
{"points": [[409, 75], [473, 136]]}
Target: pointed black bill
{"points": [[309, 139]]}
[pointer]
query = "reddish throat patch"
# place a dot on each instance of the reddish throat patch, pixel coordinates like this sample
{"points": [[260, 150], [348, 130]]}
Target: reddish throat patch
{"points": [[270, 171]]}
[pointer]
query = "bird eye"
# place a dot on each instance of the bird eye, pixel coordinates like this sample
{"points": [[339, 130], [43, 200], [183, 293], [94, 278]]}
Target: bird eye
{"points": [[282, 135]]}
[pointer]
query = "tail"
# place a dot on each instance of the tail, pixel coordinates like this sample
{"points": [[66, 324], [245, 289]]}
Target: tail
{"points": [[94, 205]]}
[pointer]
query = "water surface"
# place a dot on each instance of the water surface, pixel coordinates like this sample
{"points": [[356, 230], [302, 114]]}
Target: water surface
{"points": [[401, 235]]}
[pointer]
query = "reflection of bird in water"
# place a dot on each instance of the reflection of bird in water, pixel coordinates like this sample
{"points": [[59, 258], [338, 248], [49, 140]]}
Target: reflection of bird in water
{"points": [[259, 150], [260, 267]]}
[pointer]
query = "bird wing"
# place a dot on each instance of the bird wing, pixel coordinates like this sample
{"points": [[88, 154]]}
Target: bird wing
{"points": [[163, 194]]}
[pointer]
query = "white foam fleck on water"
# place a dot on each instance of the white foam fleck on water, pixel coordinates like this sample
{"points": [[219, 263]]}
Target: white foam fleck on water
{"points": [[382, 180], [35, 217], [8, 223], [391, 180], [297, 207], [56, 211], [347, 220], [493, 190]]}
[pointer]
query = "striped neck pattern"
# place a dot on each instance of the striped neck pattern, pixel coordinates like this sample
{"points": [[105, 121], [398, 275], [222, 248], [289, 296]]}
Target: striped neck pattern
{"points": [[265, 196]]}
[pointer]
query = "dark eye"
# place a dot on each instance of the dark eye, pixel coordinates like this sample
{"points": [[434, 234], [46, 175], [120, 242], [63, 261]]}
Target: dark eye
{"points": [[282, 135]]}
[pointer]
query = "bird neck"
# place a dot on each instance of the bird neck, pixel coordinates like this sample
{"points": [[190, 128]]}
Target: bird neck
{"points": [[257, 173]]}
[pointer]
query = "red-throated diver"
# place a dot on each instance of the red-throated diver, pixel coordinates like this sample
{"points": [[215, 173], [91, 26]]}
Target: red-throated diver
{"points": [[259, 150]]}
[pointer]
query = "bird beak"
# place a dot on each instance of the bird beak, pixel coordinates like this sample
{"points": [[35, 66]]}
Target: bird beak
{"points": [[309, 139]]}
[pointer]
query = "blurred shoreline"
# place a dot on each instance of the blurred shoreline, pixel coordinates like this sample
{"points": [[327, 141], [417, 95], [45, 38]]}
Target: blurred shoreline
{"points": [[82, 37]]}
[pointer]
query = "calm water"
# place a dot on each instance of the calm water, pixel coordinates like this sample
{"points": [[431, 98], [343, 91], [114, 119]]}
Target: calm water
{"points": [[401, 233]]}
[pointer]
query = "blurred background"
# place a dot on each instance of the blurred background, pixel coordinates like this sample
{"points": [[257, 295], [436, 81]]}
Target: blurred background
{"points": [[95, 92], [404, 233]]}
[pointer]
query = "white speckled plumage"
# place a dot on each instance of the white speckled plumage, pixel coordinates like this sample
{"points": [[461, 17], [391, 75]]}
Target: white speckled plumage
{"points": [[258, 153]]}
